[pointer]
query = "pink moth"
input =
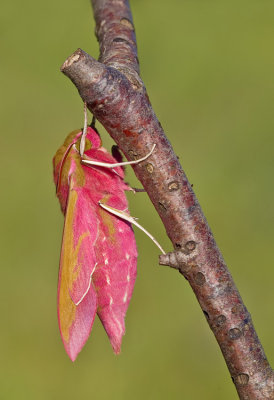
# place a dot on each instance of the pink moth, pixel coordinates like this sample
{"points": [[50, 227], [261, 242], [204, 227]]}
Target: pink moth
{"points": [[98, 256]]}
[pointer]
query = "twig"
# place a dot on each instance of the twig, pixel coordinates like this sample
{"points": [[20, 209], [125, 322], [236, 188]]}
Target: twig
{"points": [[115, 94]]}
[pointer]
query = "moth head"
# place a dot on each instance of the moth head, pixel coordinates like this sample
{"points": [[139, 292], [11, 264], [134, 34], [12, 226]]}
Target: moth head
{"points": [[93, 139]]}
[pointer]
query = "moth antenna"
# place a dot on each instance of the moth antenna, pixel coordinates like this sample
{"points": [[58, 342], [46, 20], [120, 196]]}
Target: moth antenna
{"points": [[132, 220], [84, 134], [106, 165]]}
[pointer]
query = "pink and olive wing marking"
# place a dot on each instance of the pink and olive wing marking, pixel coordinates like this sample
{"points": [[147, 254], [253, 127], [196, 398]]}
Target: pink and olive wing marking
{"points": [[75, 322], [78, 251], [115, 273], [77, 302]]}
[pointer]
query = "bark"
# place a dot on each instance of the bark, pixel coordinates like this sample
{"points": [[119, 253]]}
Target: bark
{"points": [[116, 95]]}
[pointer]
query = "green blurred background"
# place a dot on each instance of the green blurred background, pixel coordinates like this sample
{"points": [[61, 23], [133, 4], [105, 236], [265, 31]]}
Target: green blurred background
{"points": [[208, 68]]}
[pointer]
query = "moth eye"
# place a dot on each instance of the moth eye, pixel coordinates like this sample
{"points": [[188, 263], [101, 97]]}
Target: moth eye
{"points": [[88, 145]]}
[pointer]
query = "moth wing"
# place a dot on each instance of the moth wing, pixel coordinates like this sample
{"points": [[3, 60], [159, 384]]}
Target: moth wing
{"points": [[115, 275], [77, 300], [81, 234], [75, 322]]}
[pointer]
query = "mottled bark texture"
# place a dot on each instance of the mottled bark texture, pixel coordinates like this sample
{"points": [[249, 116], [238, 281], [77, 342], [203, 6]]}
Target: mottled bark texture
{"points": [[117, 97]]}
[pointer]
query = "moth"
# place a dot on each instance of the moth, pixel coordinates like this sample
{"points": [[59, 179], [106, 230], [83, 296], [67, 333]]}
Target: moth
{"points": [[98, 259]]}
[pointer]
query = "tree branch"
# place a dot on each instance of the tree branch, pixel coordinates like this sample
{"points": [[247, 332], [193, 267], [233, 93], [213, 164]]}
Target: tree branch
{"points": [[117, 97]]}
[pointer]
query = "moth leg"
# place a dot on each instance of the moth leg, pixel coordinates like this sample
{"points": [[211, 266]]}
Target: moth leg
{"points": [[135, 190], [117, 173], [116, 153], [106, 165], [93, 121], [132, 220]]}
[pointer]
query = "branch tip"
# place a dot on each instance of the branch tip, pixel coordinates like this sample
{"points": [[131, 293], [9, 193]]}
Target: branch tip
{"points": [[71, 59]]}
